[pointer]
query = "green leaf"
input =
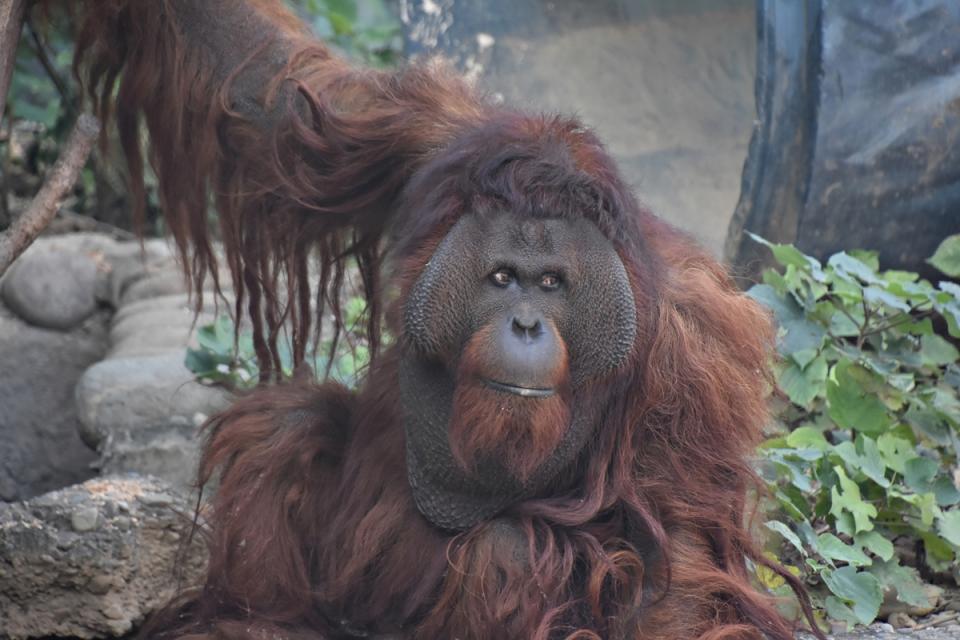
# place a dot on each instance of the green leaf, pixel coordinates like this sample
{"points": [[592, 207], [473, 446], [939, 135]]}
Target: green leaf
{"points": [[787, 534], [200, 362], [833, 548], [919, 472], [950, 287], [869, 462], [874, 542], [869, 258], [798, 334], [790, 506], [947, 256], [850, 405], [928, 421], [848, 267], [787, 255], [915, 292], [839, 611], [937, 351], [875, 295], [845, 524], [951, 313], [895, 451], [796, 469], [217, 337], [949, 526], [940, 555], [945, 492], [803, 385], [859, 589], [905, 580], [841, 325], [807, 437], [847, 499], [926, 505]]}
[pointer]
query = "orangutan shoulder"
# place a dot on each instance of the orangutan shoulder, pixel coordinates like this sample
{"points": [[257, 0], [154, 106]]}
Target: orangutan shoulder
{"points": [[294, 419]]}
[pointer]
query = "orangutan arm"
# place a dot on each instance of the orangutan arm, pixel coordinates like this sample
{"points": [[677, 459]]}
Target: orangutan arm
{"points": [[301, 154], [275, 457]]}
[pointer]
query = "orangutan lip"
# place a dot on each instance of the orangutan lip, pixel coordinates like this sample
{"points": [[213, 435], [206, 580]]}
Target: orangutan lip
{"points": [[526, 392]]}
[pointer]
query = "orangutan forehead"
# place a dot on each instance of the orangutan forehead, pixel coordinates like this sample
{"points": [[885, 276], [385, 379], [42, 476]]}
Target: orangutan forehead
{"points": [[535, 234], [525, 234]]}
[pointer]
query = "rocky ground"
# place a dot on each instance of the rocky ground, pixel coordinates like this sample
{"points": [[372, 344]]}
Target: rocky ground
{"points": [[100, 420], [887, 632]]}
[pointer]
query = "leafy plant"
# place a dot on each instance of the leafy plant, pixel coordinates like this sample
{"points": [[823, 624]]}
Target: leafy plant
{"points": [[223, 358], [864, 468], [365, 30]]}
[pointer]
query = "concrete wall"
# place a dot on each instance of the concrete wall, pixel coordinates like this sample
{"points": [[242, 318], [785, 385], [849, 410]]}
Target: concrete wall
{"points": [[667, 84]]}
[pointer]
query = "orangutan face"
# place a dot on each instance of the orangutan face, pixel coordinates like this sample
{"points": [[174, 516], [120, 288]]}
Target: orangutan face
{"points": [[518, 314]]}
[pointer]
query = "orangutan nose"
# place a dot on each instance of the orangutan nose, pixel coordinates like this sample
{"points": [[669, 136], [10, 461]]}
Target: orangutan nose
{"points": [[527, 326], [528, 349]]}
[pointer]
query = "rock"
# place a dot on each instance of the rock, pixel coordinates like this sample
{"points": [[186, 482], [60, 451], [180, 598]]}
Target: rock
{"points": [[60, 279], [53, 287], [58, 582], [881, 631], [155, 284], [130, 264], [143, 413], [41, 449], [84, 519], [155, 326], [891, 605], [901, 621]]}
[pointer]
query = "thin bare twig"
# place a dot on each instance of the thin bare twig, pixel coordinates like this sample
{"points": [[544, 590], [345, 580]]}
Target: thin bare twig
{"points": [[5, 162], [936, 622], [57, 183], [11, 23], [40, 50]]}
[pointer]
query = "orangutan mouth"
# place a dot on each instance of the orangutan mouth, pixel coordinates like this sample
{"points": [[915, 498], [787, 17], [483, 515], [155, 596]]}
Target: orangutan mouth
{"points": [[526, 392]]}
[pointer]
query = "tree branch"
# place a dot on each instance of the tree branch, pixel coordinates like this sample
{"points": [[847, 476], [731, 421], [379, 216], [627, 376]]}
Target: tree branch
{"points": [[11, 23], [57, 183]]}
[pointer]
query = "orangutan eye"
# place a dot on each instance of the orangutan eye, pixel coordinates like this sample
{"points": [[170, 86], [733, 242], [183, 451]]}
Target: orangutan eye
{"points": [[549, 281], [502, 277]]}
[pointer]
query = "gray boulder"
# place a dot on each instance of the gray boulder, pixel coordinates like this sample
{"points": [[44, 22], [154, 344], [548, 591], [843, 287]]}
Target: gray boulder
{"points": [[153, 284], [143, 414], [61, 279], [154, 326], [41, 448], [130, 264], [52, 287], [883, 631], [93, 560]]}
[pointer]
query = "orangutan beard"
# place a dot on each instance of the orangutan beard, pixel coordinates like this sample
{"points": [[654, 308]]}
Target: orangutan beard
{"points": [[519, 432]]}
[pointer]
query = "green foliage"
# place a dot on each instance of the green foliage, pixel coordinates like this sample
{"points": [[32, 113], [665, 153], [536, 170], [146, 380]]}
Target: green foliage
{"points": [[42, 92], [41, 88], [947, 257], [865, 462], [223, 358], [362, 29]]}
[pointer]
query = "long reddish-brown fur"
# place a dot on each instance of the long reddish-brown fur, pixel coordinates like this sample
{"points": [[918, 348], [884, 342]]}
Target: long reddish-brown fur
{"points": [[521, 431], [313, 530]]}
